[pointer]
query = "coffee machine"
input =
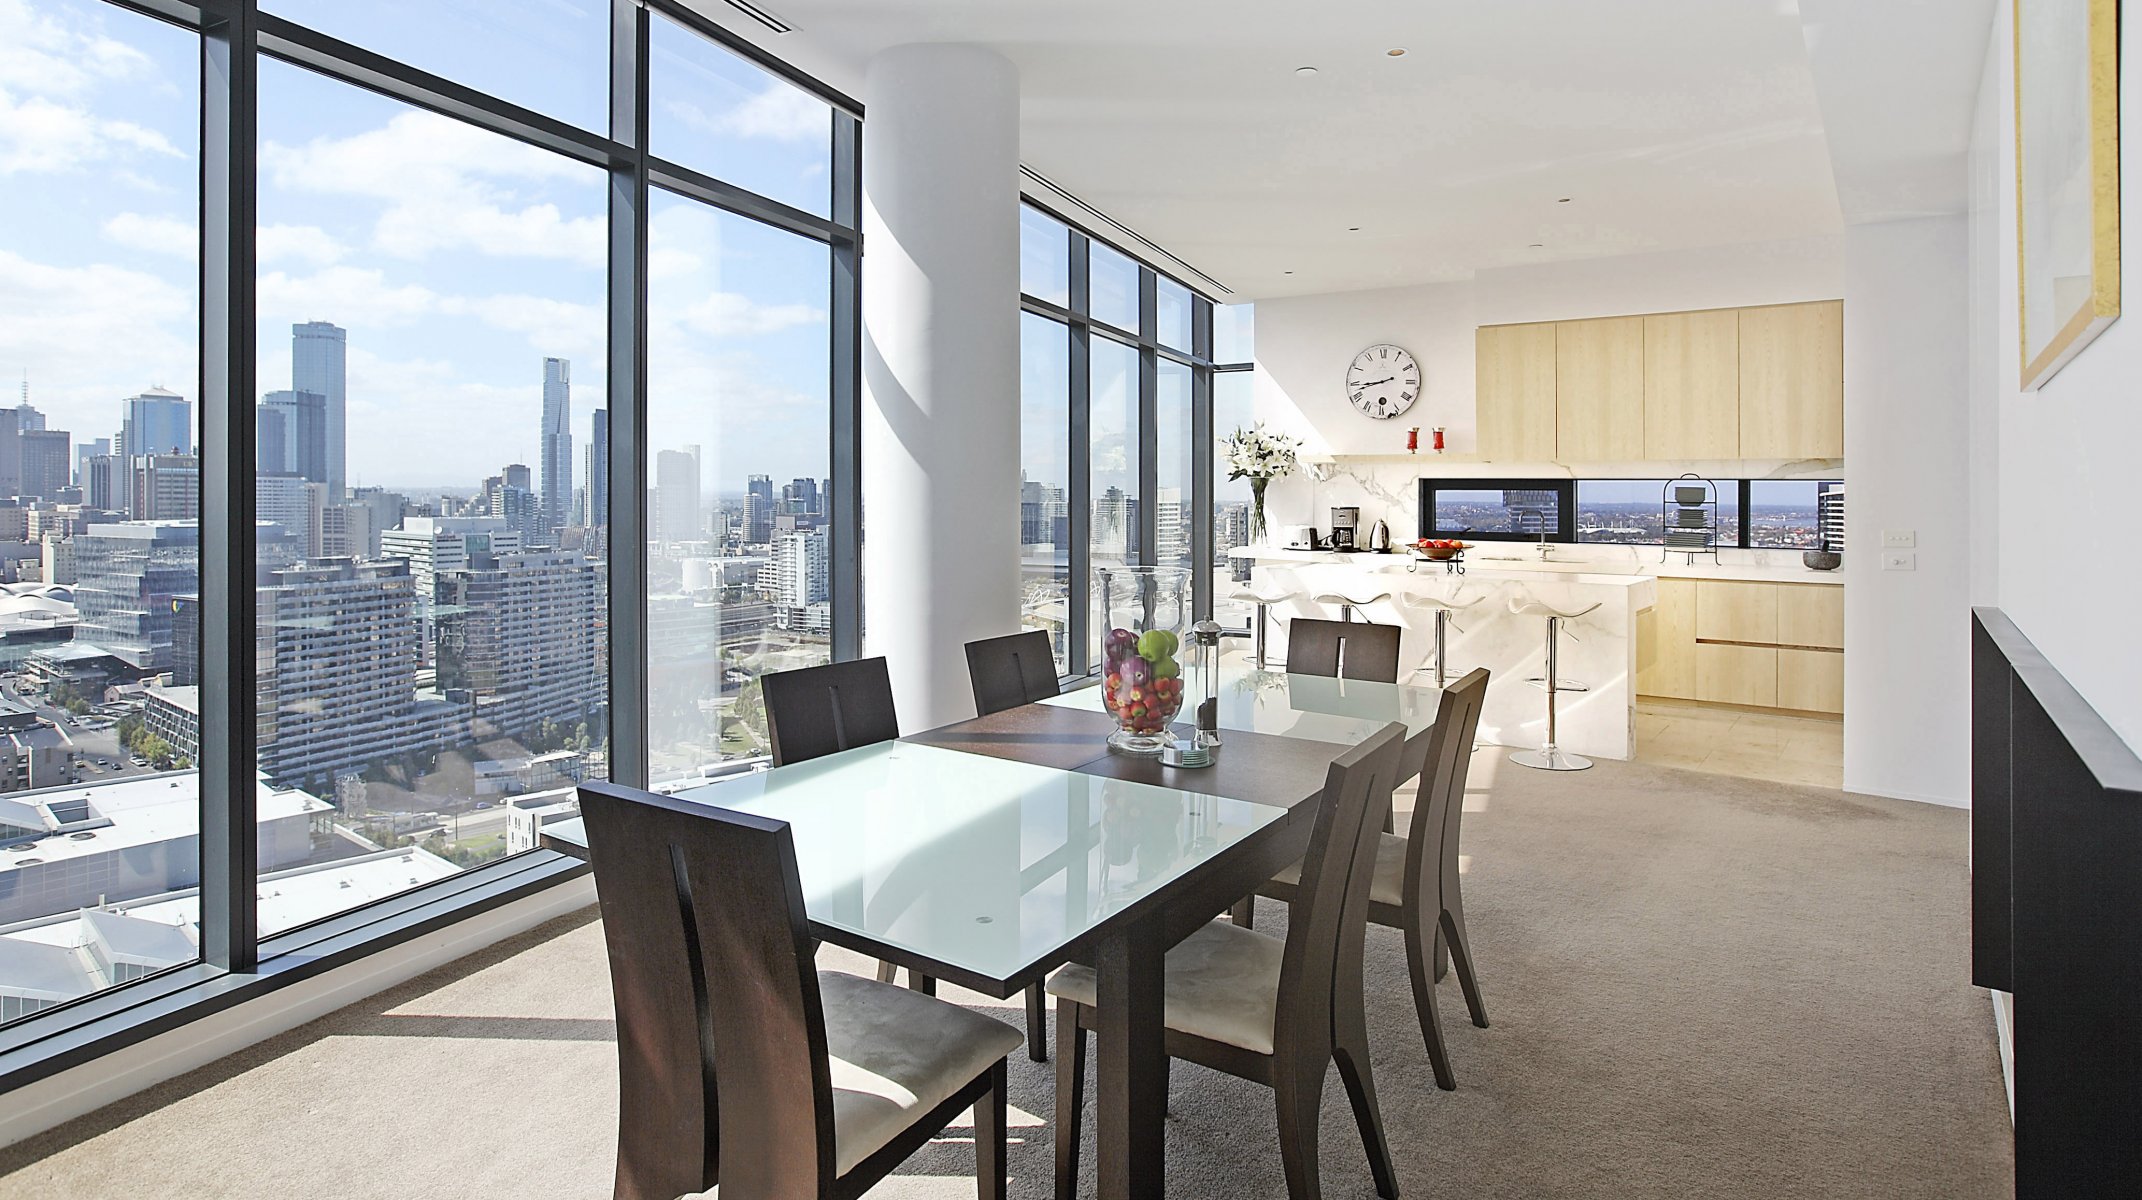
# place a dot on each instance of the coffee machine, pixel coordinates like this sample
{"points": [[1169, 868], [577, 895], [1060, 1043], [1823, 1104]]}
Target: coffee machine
{"points": [[1345, 527]]}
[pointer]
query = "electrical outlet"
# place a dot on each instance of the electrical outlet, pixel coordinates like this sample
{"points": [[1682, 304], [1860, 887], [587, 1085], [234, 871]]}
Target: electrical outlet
{"points": [[1900, 539], [1893, 560]]}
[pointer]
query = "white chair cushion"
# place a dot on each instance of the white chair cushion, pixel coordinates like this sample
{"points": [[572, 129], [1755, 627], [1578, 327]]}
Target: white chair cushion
{"points": [[896, 1054], [1388, 888], [1223, 986]]}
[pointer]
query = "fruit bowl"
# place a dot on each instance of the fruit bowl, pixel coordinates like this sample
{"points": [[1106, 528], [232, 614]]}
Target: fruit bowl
{"points": [[1142, 683], [1439, 550]]}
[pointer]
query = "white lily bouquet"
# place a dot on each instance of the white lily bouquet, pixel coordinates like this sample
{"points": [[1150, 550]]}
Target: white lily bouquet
{"points": [[1260, 457]]}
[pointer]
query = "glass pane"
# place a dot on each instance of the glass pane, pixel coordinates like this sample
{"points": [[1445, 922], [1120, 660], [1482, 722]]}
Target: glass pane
{"points": [[739, 416], [1781, 513], [1112, 423], [1171, 314], [1234, 333], [552, 57], [1044, 257], [1173, 512], [1513, 511], [1231, 410], [1112, 288], [1344, 712], [1045, 480], [99, 171], [712, 111], [1634, 511], [431, 598]]}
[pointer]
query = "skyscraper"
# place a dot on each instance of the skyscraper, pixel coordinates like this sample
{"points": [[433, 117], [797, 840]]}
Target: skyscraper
{"points": [[290, 435], [598, 469], [127, 574], [557, 450], [85, 450], [520, 633], [676, 497], [157, 421], [44, 460], [758, 509], [319, 363]]}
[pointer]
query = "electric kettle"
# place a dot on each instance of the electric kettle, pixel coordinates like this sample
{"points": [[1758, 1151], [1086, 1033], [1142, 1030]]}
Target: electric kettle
{"points": [[1380, 537]]}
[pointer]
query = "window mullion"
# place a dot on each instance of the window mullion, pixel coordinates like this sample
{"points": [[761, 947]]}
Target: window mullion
{"points": [[627, 303]]}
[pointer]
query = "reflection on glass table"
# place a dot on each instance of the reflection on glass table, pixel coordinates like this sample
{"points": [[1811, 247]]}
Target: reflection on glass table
{"points": [[1340, 711], [981, 863]]}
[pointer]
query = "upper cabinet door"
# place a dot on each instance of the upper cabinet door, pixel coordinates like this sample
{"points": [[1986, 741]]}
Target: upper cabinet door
{"points": [[1692, 385], [1792, 381], [1514, 392], [1599, 390]]}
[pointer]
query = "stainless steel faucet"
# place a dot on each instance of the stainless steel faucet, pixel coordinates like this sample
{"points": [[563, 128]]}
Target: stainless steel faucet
{"points": [[1545, 548]]}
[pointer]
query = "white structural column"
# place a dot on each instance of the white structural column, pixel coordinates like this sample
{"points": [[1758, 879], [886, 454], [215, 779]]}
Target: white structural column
{"points": [[940, 436]]}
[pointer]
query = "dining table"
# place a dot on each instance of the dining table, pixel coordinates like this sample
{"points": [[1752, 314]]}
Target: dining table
{"points": [[989, 852]]}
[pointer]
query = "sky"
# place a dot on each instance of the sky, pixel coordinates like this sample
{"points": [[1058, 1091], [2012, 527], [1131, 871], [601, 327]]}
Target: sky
{"points": [[457, 259]]}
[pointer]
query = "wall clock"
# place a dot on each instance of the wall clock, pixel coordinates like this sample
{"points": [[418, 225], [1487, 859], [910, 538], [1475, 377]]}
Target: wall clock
{"points": [[1383, 381]]}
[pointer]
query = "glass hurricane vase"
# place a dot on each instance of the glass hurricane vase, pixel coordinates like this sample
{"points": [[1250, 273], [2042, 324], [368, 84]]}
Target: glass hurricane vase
{"points": [[1146, 612]]}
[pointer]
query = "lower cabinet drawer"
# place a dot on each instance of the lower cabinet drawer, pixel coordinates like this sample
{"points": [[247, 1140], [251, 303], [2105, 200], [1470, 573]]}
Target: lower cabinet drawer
{"points": [[1737, 674], [1811, 680]]}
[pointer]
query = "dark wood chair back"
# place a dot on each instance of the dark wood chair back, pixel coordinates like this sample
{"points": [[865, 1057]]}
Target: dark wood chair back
{"points": [[1432, 838], [1330, 913], [1343, 649], [1009, 671], [818, 711], [710, 963]]}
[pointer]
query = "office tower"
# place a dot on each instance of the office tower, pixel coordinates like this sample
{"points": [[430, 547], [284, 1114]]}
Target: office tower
{"points": [[338, 664], [799, 497], [104, 484], [520, 633], [28, 419], [758, 509], [335, 530], [557, 441], [10, 453], [383, 511], [157, 421], [45, 459], [126, 574], [431, 545], [58, 554], [290, 434], [83, 452], [598, 470], [319, 354], [286, 501], [163, 487], [185, 641], [509, 498], [676, 497]]}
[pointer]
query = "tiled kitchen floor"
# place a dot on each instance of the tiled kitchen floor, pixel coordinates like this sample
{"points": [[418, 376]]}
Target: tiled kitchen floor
{"points": [[1773, 746]]}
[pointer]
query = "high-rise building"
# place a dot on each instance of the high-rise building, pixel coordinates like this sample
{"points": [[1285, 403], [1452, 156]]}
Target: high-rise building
{"points": [[127, 573], [431, 545], [798, 574], [164, 487], [185, 641], [338, 664], [383, 511], [45, 459], [290, 434], [676, 497], [105, 484], [158, 421], [557, 448], [598, 470], [28, 419], [286, 501], [83, 452], [319, 363], [521, 633]]}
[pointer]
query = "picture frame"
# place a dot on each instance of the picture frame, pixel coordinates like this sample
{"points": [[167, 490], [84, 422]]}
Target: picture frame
{"points": [[2067, 113]]}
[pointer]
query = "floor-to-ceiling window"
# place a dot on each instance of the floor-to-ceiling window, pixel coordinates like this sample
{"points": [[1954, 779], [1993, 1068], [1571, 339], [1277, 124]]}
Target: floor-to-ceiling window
{"points": [[1234, 352], [428, 407], [1115, 434]]}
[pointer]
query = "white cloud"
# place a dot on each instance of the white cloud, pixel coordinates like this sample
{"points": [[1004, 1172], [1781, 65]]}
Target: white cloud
{"points": [[353, 297], [41, 55], [777, 112], [157, 235], [47, 69], [729, 314], [39, 135], [93, 334], [445, 185], [306, 243]]}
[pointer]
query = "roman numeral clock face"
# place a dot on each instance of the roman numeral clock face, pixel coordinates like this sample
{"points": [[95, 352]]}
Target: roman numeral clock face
{"points": [[1383, 381]]}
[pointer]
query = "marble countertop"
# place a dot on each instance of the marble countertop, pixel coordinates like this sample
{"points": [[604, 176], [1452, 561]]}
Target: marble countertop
{"points": [[1498, 561]]}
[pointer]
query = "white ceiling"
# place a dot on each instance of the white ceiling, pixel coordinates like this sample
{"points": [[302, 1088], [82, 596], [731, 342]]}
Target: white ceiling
{"points": [[1669, 123]]}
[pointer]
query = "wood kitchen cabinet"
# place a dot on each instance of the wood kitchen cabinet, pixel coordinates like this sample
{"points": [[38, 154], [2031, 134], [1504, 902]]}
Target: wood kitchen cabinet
{"points": [[1692, 385], [1666, 642], [1811, 680], [1810, 614], [1599, 390], [1792, 381], [1515, 391], [1734, 674], [1727, 641], [1731, 611]]}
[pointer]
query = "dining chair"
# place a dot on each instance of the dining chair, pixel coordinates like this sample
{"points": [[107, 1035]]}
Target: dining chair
{"points": [[1343, 649], [1270, 1011], [742, 1065], [1012, 670], [815, 711], [1007, 672], [1415, 887]]}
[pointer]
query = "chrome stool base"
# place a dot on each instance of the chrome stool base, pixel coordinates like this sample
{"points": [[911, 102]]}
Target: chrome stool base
{"points": [[1551, 759], [1560, 685]]}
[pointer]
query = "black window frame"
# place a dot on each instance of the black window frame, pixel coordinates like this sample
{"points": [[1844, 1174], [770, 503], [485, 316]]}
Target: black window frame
{"points": [[236, 964], [1566, 491]]}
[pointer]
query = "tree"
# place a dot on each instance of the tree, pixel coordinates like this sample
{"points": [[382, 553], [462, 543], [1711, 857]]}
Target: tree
{"points": [[160, 753]]}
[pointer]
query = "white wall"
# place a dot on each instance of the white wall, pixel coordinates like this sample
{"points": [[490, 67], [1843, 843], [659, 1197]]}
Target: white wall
{"points": [[1907, 436], [2067, 574]]}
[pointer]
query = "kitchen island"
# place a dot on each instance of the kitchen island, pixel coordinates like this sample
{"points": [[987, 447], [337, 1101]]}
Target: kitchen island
{"points": [[1598, 649]]}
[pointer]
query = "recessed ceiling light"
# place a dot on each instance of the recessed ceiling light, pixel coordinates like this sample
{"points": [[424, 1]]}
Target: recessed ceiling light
{"points": [[1565, 200], [1289, 272], [1396, 52], [1305, 72], [1537, 246], [1353, 229]]}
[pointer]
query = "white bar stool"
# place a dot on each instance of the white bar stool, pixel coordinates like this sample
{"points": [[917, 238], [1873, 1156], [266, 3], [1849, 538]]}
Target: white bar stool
{"points": [[1442, 607], [1551, 757], [1348, 602], [1264, 598]]}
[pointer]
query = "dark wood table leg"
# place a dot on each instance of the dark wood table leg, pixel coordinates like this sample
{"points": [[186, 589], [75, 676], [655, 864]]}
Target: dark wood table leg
{"points": [[1131, 1066]]}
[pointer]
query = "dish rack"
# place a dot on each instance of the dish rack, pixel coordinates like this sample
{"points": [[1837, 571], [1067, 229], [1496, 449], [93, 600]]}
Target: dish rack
{"points": [[1688, 507]]}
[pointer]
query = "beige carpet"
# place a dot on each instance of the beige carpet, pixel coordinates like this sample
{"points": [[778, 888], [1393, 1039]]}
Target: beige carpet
{"points": [[1700, 986]]}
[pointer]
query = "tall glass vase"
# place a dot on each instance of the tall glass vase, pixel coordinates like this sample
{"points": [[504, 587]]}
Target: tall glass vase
{"points": [[1257, 530], [1147, 611]]}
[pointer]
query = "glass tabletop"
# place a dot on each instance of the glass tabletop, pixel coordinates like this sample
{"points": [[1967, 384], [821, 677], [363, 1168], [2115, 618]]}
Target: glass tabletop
{"points": [[980, 863], [1317, 707]]}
